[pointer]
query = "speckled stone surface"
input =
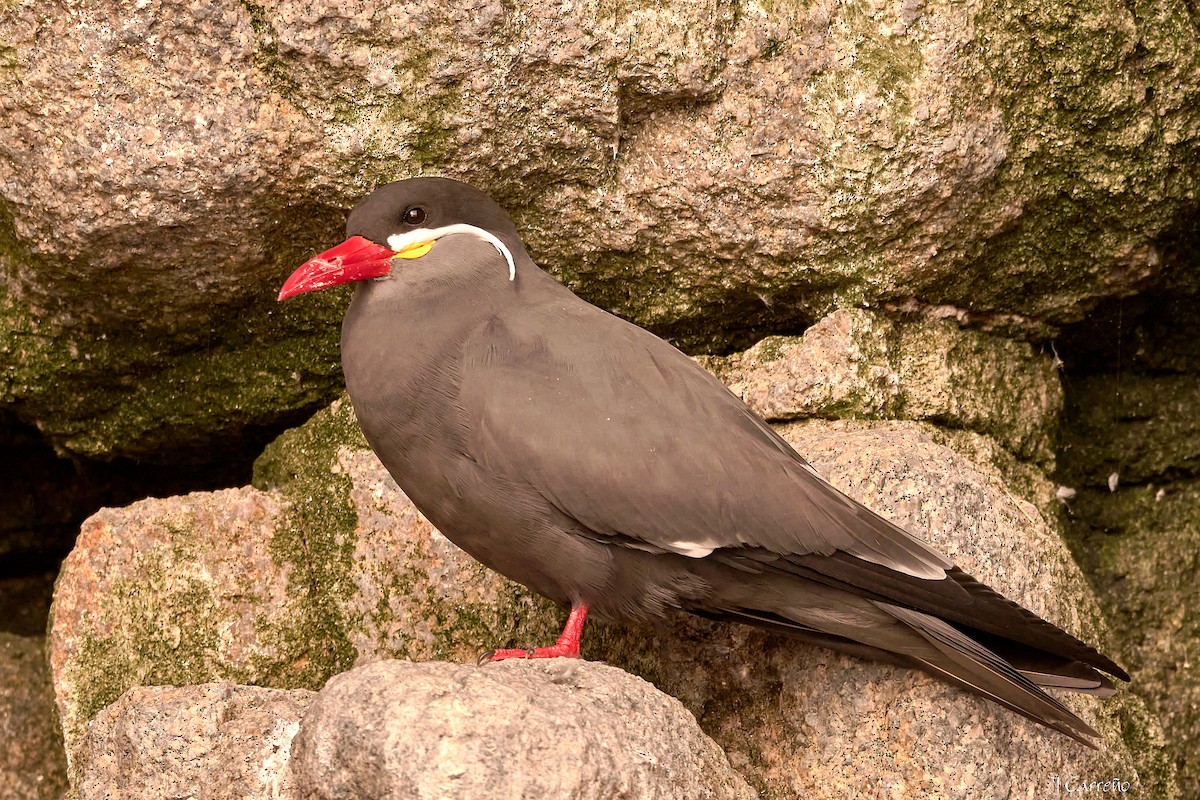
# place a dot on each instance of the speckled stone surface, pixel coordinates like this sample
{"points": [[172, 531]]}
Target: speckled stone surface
{"points": [[562, 728], [856, 363], [210, 741], [173, 591], [900, 733], [190, 116], [141, 141], [32, 766]]}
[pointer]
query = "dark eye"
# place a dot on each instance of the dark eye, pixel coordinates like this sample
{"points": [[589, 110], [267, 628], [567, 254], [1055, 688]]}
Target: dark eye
{"points": [[414, 215]]}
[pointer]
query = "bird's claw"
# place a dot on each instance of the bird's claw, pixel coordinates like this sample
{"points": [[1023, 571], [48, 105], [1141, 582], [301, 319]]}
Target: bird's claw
{"points": [[504, 655], [554, 651], [489, 656]]}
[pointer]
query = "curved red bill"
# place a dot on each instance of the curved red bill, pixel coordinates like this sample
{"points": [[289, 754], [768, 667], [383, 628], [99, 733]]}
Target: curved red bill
{"points": [[355, 259]]}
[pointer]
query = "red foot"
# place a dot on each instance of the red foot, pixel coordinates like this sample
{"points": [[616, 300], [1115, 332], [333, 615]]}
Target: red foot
{"points": [[567, 645]]}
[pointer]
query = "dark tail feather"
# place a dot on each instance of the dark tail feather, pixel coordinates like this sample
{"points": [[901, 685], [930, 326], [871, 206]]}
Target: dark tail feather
{"points": [[961, 600], [955, 657], [1047, 670], [969, 664]]}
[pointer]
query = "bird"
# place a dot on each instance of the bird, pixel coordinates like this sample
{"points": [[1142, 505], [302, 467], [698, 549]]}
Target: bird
{"points": [[590, 460]]}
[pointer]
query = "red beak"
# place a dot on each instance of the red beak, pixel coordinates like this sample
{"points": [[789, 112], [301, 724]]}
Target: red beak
{"points": [[355, 259]]}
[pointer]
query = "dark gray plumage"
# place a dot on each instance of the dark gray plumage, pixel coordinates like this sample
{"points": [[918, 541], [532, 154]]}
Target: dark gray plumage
{"points": [[588, 459]]}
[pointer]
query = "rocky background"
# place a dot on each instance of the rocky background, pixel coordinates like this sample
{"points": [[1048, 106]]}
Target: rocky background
{"points": [[953, 246]]}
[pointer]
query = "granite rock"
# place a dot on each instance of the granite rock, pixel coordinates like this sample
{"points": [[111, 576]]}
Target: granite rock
{"points": [[207, 742], [566, 729], [174, 591], [712, 169], [32, 766], [392, 729], [859, 364]]}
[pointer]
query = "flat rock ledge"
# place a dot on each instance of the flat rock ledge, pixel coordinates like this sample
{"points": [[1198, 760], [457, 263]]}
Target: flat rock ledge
{"points": [[396, 729]]}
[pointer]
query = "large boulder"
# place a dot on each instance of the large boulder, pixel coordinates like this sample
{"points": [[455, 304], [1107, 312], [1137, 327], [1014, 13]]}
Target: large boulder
{"points": [[563, 728], [394, 729], [209, 742], [714, 170]]}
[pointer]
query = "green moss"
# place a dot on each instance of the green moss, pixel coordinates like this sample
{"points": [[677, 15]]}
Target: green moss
{"points": [[169, 634], [1107, 87], [1139, 426], [299, 459], [519, 619], [315, 537], [127, 394], [960, 380], [984, 383], [1069, 212], [168, 622], [104, 670], [8, 57], [1140, 545], [771, 348], [156, 386], [403, 132], [461, 627], [267, 58], [789, 7], [1142, 735], [431, 141], [890, 63], [619, 9], [153, 391]]}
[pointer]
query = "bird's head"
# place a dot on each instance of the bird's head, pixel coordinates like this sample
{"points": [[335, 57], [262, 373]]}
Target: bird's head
{"points": [[405, 220]]}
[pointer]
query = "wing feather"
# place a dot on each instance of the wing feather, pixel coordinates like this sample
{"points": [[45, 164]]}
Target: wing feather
{"points": [[634, 440]]}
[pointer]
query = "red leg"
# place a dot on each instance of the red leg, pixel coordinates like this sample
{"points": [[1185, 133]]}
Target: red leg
{"points": [[567, 645]]}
